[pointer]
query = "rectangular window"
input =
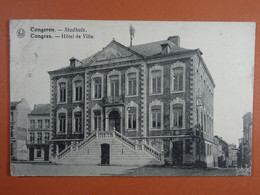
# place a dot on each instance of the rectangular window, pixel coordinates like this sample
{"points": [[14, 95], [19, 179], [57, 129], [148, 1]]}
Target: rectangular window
{"points": [[38, 153], [97, 120], [132, 84], [62, 122], [32, 123], [39, 137], [201, 118], [156, 117], [114, 86], [178, 79], [39, 124], [97, 87], [156, 82], [177, 115], [12, 149], [78, 122], [132, 118], [62, 92], [78, 90], [47, 136], [47, 123], [31, 137]]}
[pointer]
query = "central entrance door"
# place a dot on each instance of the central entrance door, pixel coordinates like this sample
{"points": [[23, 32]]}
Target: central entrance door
{"points": [[114, 120], [177, 155], [105, 154]]}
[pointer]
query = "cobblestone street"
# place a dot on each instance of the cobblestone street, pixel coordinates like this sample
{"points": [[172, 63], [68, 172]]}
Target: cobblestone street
{"points": [[28, 169]]}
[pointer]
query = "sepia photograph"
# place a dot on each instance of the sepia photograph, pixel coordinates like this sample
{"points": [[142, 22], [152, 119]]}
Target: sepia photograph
{"points": [[131, 98]]}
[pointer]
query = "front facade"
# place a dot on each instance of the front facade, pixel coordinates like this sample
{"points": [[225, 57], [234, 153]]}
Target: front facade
{"points": [[38, 134], [18, 125], [158, 94]]}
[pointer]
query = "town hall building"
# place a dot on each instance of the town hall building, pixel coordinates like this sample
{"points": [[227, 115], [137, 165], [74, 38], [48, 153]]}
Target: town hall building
{"points": [[144, 104]]}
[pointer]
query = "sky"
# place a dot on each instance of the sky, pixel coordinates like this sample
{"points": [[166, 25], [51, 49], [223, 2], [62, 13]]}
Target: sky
{"points": [[228, 50]]}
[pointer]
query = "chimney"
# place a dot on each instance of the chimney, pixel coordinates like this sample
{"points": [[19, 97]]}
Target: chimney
{"points": [[175, 40], [165, 48], [74, 62]]}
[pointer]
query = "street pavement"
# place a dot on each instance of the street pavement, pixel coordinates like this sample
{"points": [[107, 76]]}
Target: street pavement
{"points": [[33, 169]]}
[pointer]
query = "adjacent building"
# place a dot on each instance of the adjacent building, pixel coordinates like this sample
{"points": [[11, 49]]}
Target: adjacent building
{"points": [[232, 155], [155, 97], [18, 125], [223, 160], [246, 141], [38, 134]]}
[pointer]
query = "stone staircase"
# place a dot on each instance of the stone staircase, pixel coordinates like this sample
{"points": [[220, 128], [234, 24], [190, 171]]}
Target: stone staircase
{"points": [[122, 151]]}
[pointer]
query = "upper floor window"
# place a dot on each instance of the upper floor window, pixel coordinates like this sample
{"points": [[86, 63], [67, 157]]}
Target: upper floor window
{"points": [[39, 137], [47, 123], [177, 83], [39, 124], [132, 82], [32, 123], [156, 82], [62, 89], [31, 137], [78, 90], [132, 117], [97, 120], [47, 136], [177, 115], [156, 117], [78, 121], [178, 79], [97, 87], [12, 116], [62, 123], [12, 131], [114, 85]]}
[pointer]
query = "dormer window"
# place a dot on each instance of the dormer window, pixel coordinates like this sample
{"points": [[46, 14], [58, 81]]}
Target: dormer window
{"points": [[165, 48]]}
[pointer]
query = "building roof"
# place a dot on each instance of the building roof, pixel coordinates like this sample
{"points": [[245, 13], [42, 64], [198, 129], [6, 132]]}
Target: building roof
{"points": [[14, 104], [155, 48], [41, 109]]}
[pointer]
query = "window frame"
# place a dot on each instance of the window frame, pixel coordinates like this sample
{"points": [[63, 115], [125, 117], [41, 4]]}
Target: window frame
{"points": [[175, 102], [132, 104], [74, 81], [97, 75], [156, 68], [156, 103], [130, 71], [77, 110], [113, 73], [62, 80], [176, 65], [62, 111]]}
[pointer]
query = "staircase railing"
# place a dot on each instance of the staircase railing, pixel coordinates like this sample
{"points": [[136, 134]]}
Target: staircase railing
{"points": [[64, 152], [124, 139], [86, 141], [152, 151]]}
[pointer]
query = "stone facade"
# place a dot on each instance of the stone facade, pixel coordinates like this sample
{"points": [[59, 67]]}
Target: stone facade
{"points": [[157, 93]]}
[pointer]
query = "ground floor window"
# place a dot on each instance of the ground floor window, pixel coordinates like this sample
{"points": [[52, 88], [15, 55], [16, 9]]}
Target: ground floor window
{"points": [[38, 153], [156, 117], [132, 118], [78, 122]]}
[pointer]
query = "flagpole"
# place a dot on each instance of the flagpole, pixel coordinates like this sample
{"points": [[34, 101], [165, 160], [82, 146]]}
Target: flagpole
{"points": [[130, 40]]}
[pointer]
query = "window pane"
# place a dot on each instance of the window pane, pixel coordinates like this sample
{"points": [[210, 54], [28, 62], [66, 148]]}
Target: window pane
{"points": [[159, 120], [117, 88], [181, 82], [130, 87], [159, 85], [134, 87], [154, 85], [153, 120], [134, 121]]}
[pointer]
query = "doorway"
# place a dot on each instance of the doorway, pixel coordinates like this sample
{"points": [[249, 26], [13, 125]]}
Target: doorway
{"points": [[105, 154], [31, 154], [114, 120], [177, 153], [46, 154]]}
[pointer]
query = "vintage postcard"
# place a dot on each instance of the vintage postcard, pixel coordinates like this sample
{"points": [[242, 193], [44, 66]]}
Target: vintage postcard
{"points": [[131, 98]]}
